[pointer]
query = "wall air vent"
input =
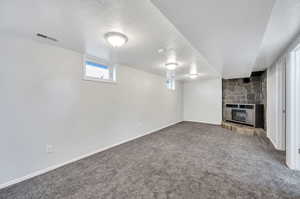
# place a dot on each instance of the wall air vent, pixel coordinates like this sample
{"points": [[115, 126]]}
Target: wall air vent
{"points": [[246, 80], [257, 73], [46, 37]]}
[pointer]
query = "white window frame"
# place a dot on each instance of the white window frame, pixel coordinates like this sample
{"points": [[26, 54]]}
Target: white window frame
{"points": [[112, 69]]}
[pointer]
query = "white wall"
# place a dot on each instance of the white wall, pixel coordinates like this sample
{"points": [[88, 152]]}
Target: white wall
{"points": [[203, 101], [43, 100], [293, 109], [276, 104], [292, 98]]}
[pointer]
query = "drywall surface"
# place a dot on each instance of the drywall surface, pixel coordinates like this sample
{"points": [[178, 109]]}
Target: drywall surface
{"points": [[293, 105], [203, 101], [276, 114], [44, 101], [290, 137]]}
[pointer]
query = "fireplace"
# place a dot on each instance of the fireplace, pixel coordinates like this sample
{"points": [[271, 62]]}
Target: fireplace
{"points": [[239, 115], [248, 114]]}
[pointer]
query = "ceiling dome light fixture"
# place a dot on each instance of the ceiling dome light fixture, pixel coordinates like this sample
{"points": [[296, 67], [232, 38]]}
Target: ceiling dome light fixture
{"points": [[116, 39], [171, 65]]}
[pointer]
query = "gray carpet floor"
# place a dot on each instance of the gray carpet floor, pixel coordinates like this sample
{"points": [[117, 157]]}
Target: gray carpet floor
{"points": [[186, 160]]}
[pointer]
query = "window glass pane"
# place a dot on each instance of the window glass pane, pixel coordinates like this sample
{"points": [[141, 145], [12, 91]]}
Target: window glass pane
{"points": [[96, 70], [170, 83]]}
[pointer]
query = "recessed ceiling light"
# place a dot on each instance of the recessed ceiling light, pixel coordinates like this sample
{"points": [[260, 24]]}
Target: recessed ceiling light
{"points": [[193, 76], [171, 65], [161, 50], [116, 39]]}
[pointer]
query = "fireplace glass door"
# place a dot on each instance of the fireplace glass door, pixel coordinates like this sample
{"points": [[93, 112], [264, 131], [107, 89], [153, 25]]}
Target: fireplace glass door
{"points": [[239, 115]]}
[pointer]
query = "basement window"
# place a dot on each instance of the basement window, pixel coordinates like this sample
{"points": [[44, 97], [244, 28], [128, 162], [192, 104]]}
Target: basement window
{"points": [[95, 69], [170, 83]]}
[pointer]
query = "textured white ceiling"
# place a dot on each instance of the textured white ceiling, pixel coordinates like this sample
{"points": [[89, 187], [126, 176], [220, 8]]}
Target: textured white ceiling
{"points": [[81, 24], [283, 27], [228, 33], [221, 38]]}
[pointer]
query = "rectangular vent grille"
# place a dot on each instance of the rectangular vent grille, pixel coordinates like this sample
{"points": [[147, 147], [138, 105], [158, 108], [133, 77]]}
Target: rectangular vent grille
{"points": [[46, 37]]}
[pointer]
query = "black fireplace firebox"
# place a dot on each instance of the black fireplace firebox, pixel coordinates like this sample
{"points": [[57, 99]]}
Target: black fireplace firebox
{"points": [[239, 115], [249, 114]]}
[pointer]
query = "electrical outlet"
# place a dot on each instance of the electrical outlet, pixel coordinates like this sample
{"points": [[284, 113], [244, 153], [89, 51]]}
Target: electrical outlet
{"points": [[49, 148]]}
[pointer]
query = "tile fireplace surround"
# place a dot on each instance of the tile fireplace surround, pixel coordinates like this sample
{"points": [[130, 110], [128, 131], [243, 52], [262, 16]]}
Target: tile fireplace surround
{"points": [[239, 92]]}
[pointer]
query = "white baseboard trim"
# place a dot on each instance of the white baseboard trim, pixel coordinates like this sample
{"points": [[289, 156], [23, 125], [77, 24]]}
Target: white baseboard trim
{"points": [[274, 145], [43, 171], [292, 166], [203, 122]]}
